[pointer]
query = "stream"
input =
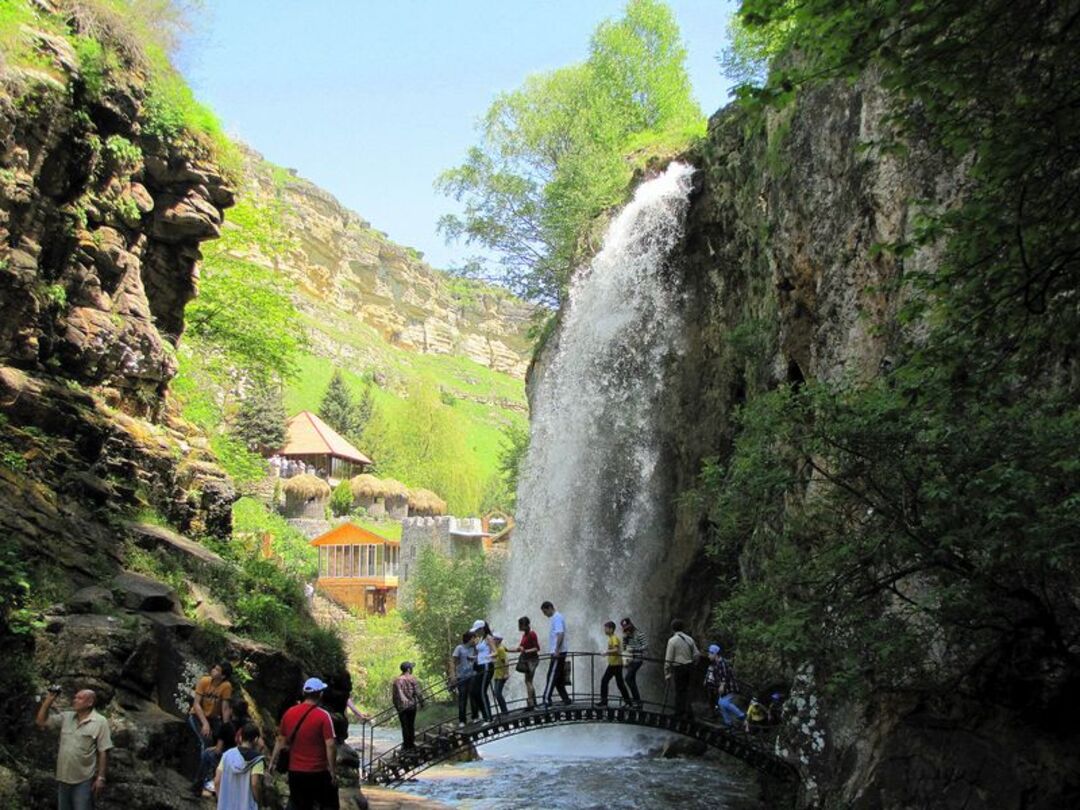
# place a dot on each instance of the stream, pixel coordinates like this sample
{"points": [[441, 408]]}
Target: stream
{"points": [[580, 768]]}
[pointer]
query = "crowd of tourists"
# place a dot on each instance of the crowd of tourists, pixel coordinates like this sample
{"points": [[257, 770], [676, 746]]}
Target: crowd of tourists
{"points": [[233, 756]]}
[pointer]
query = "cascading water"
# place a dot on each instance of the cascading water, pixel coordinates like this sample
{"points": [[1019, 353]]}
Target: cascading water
{"points": [[593, 503]]}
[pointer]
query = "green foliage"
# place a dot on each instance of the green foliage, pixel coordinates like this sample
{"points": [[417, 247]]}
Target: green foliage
{"points": [[244, 312], [252, 519], [346, 415], [261, 420], [920, 530], [126, 155], [244, 465], [96, 64], [341, 499], [55, 296], [552, 156], [378, 651], [424, 446], [447, 594], [514, 451]]}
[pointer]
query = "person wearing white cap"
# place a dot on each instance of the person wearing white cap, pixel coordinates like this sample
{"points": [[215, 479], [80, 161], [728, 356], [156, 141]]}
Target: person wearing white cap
{"points": [[306, 732]]}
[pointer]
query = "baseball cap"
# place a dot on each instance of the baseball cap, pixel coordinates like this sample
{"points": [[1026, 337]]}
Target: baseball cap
{"points": [[477, 625], [714, 649], [626, 623], [313, 685], [497, 636]]}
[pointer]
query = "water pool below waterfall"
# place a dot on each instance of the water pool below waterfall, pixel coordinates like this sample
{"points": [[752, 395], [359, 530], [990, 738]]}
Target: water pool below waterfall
{"points": [[597, 768]]}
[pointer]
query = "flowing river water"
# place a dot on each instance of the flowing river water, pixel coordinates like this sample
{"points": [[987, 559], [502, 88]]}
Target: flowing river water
{"points": [[585, 768]]}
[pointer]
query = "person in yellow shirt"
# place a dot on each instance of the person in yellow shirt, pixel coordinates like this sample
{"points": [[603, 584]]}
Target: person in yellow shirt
{"points": [[614, 666], [210, 707], [502, 672]]}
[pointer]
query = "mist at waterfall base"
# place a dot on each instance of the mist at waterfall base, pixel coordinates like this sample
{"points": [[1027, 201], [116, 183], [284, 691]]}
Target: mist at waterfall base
{"points": [[594, 505]]}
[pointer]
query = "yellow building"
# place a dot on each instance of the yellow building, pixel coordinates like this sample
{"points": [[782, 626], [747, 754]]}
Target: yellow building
{"points": [[358, 568]]}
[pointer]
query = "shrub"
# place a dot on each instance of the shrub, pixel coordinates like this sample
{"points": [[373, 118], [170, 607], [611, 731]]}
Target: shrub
{"points": [[341, 499]]}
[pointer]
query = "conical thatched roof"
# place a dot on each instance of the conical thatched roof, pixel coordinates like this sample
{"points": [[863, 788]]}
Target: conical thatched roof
{"points": [[393, 488], [306, 486], [367, 486], [426, 502]]}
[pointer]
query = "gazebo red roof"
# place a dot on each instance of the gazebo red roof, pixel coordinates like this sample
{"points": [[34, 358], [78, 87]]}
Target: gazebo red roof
{"points": [[308, 435]]}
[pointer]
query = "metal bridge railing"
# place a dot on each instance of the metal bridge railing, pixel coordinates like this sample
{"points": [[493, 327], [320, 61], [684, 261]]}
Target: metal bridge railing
{"points": [[584, 671]]}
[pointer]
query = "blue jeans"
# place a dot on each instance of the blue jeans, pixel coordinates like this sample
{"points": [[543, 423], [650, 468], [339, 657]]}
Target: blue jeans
{"points": [[728, 709], [79, 796], [204, 748]]}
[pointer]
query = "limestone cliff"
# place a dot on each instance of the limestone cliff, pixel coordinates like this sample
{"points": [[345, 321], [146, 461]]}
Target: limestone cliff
{"points": [[344, 270]]}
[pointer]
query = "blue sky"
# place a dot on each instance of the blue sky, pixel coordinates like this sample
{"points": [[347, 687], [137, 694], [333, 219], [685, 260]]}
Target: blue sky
{"points": [[372, 99]]}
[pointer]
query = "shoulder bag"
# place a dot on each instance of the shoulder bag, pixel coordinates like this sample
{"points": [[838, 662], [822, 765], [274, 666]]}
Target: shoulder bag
{"points": [[282, 765]]}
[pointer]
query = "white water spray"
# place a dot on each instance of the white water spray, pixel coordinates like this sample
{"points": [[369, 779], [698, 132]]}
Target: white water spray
{"points": [[593, 503]]}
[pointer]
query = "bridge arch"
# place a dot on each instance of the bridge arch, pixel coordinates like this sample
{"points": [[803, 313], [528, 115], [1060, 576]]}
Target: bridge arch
{"points": [[439, 742]]}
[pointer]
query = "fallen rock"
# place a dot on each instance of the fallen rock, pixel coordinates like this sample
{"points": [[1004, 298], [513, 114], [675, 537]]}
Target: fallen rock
{"points": [[91, 599], [141, 593]]}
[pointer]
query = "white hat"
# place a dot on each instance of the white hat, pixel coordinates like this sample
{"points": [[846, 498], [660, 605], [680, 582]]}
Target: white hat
{"points": [[477, 625], [313, 685]]}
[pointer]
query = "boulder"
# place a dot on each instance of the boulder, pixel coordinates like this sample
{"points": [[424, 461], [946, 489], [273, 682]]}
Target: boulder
{"points": [[91, 599], [142, 593]]}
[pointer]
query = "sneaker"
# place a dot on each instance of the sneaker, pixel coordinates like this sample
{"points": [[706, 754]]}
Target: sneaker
{"points": [[460, 724]]}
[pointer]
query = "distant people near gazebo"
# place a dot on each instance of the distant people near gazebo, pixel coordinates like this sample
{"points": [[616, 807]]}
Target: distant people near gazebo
{"points": [[306, 496], [312, 447], [396, 499], [425, 503]]}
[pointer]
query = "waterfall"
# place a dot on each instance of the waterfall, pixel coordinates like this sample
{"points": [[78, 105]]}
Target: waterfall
{"points": [[593, 504]]}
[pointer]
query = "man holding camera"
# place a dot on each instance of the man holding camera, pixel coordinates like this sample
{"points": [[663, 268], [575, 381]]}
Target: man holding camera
{"points": [[82, 759]]}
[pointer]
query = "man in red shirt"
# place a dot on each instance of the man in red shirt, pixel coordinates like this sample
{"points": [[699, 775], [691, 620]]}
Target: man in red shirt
{"points": [[307, 731]]}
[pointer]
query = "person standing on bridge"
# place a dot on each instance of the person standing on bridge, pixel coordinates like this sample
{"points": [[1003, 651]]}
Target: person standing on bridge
{"points": [[482, 671], [529, 649], [461, 670], [635, 645], [727, 687], [679, 660], [614, 666], [502, 672], [407, 700], [556, 674]]}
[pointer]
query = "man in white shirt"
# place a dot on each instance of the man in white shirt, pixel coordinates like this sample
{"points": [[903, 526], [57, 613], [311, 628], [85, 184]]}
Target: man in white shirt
{"points": [[679, 659], [557, 646]]}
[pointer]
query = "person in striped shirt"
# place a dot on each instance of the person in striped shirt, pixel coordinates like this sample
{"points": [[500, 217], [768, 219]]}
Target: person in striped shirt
{"points": [[635, 645]]}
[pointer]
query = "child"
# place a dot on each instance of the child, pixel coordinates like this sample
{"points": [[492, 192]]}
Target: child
{"points": [[502, 672], [756, 715], [239, 774], [614, 666]]}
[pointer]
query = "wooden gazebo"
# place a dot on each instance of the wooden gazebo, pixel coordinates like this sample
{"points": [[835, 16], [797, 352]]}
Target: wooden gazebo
{"points": [[311, 441], [359, 568]]}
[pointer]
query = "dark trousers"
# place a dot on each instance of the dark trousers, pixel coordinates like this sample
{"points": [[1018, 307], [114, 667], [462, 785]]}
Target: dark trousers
{"points": [[497, 687], [478, 693], [630, 671], [310, 790], [680, 679], [556, 679], [613, 671], [463, 688], [408, 727]]}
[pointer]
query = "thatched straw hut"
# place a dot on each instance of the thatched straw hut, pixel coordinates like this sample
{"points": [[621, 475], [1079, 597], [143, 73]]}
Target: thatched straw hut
{"points": [[370, 493], [306, 496], [396, 498], [425, 503]]}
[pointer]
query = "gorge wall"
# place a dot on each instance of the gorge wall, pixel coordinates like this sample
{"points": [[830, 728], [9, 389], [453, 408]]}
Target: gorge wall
{"points": [[344, 270], [101, 218], [780, 286]]}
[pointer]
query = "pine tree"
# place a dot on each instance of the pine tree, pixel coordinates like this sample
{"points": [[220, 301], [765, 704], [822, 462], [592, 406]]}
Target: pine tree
{"points": [[338, 409], [346, 415], [261, 421]]}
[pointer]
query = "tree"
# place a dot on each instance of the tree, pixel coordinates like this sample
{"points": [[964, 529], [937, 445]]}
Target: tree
{"points": [[341, 411], [553, 155], [261, 420], [445, 596], [341, 499]]}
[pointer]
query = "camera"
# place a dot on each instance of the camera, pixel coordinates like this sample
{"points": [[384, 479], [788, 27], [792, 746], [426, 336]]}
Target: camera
{"points": [[55, 689]]}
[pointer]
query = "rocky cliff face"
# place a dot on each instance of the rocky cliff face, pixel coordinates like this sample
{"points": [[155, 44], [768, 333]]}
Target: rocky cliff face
{"points": [[782, 287], [100, 226], [344, 269]]}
